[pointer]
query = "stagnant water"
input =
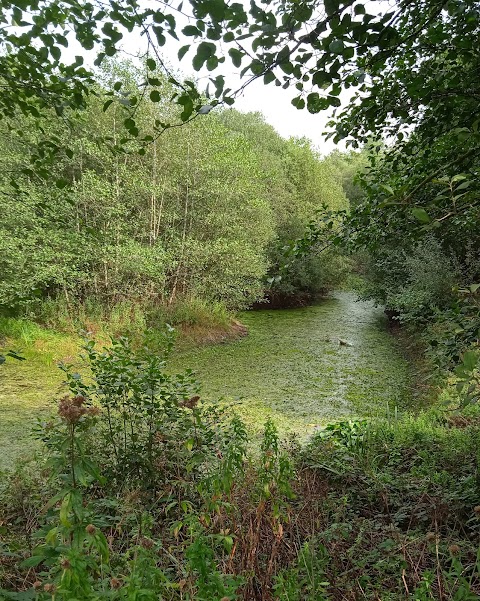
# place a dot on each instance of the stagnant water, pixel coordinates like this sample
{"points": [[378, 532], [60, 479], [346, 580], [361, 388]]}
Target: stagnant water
{"points": [[293, 368], [290, 367]]}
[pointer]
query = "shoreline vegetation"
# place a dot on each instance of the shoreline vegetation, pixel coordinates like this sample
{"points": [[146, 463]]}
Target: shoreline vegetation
{"points": [[29, 387], [383, 504]]}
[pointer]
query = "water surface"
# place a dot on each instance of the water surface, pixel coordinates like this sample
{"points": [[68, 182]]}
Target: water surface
{"points": [[293, 368]]}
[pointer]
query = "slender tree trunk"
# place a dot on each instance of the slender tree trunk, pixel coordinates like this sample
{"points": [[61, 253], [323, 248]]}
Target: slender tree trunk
{"points": [[184, 232], [153, 201]]}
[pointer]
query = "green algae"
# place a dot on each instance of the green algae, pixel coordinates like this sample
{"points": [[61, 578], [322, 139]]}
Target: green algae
{"points": [[291, 368]]}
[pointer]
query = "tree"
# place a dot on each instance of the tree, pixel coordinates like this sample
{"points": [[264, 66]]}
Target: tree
{"points": [[392, 58], [412, 69]]}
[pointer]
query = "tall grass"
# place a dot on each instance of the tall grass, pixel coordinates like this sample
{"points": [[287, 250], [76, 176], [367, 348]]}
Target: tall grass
{"points": [[56, 326]]}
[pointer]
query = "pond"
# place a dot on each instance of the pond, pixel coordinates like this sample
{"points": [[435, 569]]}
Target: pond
{"points": [[291, 368], [306, 367]]}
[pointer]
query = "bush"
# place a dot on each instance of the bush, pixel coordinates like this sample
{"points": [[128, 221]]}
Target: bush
{"points": [[412, 284], [144, 491]]}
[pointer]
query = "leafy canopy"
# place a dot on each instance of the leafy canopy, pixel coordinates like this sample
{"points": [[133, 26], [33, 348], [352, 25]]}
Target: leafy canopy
{"points": [[411, 70]]}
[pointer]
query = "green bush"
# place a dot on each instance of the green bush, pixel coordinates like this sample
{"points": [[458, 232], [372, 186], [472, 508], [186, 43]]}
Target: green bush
{"points": [[411, 283]]}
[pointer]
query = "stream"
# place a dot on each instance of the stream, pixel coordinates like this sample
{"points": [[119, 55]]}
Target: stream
{"points": [[292, 367]]}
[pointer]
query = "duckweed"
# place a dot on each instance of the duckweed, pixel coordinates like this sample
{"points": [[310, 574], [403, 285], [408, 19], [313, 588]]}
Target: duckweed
{"points": [[291, 368], [306, 367]]}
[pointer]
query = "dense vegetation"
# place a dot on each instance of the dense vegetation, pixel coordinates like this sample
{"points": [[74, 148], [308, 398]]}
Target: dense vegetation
{"points": [[202, 215], [145, 492]]}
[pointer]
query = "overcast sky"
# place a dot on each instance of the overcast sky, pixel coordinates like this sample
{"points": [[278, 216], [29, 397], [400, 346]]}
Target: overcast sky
{"points": [[272, 101]]}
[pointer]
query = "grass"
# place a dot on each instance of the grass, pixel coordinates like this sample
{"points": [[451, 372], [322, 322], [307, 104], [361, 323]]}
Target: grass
{"points": [[28, 388]]}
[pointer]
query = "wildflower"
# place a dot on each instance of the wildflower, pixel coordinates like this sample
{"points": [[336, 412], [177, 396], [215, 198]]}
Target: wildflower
{"points": [[476, 510], [90, 529], [430, 537], [72, 409], [37, 584], [50, 588], [66, 565], [115, 583], [454, 549], [191, 403]]}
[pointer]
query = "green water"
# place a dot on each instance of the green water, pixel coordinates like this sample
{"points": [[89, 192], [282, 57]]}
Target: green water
{"points": [[292, 367]]}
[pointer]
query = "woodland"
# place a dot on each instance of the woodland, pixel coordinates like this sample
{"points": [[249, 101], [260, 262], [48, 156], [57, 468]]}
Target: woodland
{"points": [[144, 219]]}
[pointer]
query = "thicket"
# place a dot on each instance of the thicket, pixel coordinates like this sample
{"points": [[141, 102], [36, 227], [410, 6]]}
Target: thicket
{"points": [[422, 262], [200, 214]]}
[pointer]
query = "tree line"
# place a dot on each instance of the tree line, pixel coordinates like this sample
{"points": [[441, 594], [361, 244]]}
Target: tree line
{"points": [[200, 212]]}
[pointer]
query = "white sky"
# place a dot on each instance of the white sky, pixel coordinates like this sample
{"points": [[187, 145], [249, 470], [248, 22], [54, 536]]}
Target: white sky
{"points": [[272, 101]]}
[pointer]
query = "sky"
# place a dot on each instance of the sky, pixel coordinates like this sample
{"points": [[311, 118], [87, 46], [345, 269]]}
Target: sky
{"points": [[272, 101], [275, 104]]}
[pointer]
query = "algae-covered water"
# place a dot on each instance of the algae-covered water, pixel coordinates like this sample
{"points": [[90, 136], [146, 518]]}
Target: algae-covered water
{"points": [[292, 368]]}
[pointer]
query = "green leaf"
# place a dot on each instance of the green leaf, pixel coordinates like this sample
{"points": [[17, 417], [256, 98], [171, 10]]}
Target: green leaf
{"points": [[331, 6], [298, 102], [236, 56], [387, 189], [155, 96], [183, 51], [337, 46], [421, 215], [269, 77], [33, 562], [55, 52], [204, 51], [191, 30], [470, 360], [151, 64]]}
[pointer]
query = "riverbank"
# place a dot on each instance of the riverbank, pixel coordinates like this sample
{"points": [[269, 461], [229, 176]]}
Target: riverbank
{"points": [[30, 388], [383, 508]]}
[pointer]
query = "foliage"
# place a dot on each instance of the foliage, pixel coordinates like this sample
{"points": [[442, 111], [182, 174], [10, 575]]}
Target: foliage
{"points": [[214, 520], [414, 283], [192, 218]]}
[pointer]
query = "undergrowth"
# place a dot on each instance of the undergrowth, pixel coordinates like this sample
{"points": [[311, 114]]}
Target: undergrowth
{"points": [[144, 492]]}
